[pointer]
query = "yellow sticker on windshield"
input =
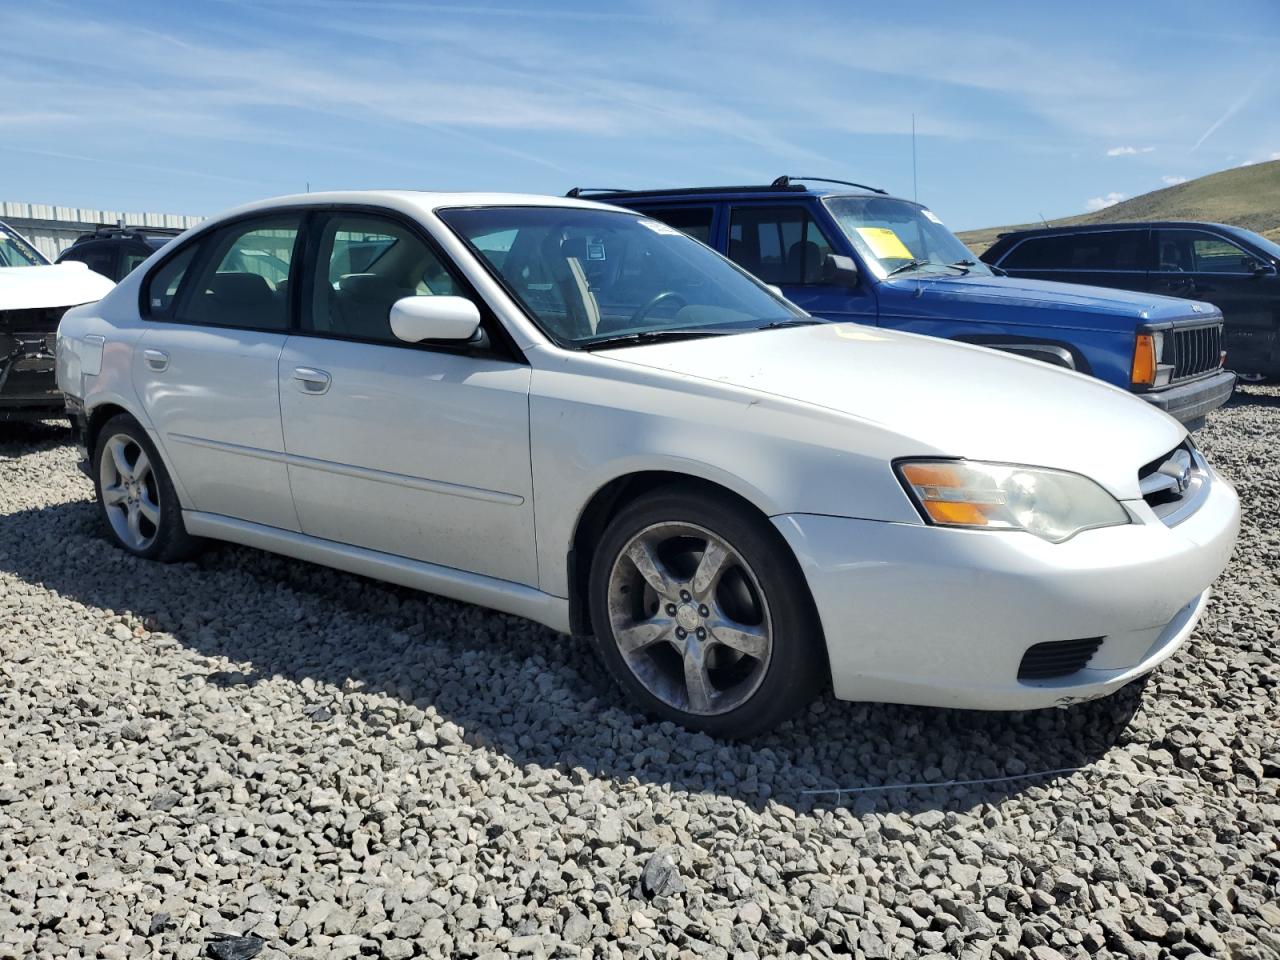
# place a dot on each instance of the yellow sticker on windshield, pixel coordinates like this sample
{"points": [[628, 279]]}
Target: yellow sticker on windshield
{"points": [[885, 244]]}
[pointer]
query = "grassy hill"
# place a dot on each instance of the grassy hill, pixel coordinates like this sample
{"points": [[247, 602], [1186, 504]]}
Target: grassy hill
{"points": [[1244, 196]]}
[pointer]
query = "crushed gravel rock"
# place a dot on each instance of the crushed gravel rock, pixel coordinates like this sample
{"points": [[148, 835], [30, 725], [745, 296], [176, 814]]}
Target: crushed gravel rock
{"points": [[247, 753]]}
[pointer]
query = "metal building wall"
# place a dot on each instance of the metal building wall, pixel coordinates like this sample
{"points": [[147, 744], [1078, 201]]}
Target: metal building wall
{"points": [[52, 229]]}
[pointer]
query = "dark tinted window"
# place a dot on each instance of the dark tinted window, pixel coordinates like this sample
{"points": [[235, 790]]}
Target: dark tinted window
{"points": [[243, 279], [367, 263], [1195, 251], [695, 221], [160, 292], [1106, 250], [781, 245], [98, 257]]}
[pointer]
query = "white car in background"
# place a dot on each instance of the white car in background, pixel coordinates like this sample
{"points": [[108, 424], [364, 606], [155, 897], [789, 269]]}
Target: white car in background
{"points": [[576, 414], [33, 296]]}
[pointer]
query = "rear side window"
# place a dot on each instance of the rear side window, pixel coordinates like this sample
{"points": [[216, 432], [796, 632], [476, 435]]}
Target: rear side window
{"points": [[781, 245], [98, 257], [695, 221], [1108, 250], [161, 290], [242, 278]]}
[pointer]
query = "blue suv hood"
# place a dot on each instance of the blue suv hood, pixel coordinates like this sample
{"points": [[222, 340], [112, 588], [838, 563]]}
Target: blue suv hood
{"points": [[1003, 299]]}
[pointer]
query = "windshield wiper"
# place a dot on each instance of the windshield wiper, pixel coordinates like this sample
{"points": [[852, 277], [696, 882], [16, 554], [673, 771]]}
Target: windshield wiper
{"points": [[904, 267], [779, 324], [961, 265], [654, 336]]}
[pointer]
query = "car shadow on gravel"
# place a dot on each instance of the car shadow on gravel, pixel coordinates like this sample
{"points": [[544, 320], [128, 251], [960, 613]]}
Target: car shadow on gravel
{"points": [[522, 690], [1252, 395]]}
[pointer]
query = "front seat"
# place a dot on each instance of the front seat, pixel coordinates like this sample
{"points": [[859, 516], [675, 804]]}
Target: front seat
{"points": [[362, 305], [804, 262]]}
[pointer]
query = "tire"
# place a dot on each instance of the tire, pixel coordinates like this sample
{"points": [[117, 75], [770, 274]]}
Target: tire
{"points": [[140, 508], [732, 653]]}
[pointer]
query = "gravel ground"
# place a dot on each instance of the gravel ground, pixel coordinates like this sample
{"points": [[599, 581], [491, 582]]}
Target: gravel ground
{"points": [[248, 753]]}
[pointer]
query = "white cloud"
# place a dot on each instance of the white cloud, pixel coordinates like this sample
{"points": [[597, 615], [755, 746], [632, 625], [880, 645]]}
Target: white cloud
{"points": [[1248, 163], [1172, 180], [1101, 203], [1129, 151], [1275, 156]]}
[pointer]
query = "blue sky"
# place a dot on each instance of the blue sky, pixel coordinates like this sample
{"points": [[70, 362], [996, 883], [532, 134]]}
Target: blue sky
{"points": [[1021, 109]]}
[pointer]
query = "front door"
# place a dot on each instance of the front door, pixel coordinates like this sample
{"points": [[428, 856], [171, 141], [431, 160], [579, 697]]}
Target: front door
{"points": [[414, 450], [784, 245], [218, 315], [1200, 265]]}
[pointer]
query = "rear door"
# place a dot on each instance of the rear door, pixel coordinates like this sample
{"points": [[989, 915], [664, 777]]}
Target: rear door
{"points": [[1200, 264], [206, 367], [785, 245]]}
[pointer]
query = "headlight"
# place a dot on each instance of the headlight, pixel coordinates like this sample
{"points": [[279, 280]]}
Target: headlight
{"points": [[1052, 504]]}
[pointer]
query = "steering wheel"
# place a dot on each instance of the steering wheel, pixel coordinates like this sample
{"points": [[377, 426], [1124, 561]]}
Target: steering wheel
{"points": [[653, 303]]}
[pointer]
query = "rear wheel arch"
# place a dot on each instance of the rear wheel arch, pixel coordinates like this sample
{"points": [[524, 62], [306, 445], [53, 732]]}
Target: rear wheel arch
{"points": [[97, 418]]}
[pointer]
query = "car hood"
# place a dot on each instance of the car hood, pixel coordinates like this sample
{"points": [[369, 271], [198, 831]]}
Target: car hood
{"points": [[1080, 307], [940, 397], [56, 285]]}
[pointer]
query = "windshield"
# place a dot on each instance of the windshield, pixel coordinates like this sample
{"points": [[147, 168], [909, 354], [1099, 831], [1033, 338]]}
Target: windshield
{"points": [[1269, 247], [16, 252], [595, 276], [894, 236]]}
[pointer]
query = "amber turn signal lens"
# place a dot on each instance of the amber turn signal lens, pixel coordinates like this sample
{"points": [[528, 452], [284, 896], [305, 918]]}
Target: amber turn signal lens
{"points": [[1144, 360]]}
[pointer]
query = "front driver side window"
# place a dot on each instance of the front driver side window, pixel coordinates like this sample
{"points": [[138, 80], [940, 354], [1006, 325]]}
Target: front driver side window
{"points": [[781, 245], [366, 263]]}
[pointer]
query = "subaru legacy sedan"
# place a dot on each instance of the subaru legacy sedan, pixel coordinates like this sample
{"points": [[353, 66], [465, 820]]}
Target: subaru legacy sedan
{"points": [[577, 414]]}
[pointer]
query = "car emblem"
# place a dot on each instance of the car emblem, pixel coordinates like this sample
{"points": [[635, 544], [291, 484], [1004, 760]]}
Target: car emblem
{"points": [[1196, 308]]}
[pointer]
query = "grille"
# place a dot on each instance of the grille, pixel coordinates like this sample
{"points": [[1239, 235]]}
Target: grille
{"points": [[1194, 351], [1175, 485], [1060, 658]]}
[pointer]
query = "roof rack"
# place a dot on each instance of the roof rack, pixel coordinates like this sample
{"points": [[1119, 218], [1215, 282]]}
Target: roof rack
{"points": [[787, 181], [579, 191]]}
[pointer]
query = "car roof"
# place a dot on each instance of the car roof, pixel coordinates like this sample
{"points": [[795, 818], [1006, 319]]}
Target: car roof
{"points": [[1120, 225], [420, 201], [781, 187]]}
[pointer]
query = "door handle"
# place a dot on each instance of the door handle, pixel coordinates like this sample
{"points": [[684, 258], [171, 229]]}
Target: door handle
{"points": [[156, 359], [311, 380]]}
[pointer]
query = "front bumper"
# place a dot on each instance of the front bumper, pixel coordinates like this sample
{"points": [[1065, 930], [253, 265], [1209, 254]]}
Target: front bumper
{"points": [[943, 617], [1190, 402]]}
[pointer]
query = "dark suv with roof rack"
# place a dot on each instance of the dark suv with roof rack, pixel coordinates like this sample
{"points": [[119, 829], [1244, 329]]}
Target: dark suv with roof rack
{"points": [[849, 252], [1234, 269], [115, 251]]}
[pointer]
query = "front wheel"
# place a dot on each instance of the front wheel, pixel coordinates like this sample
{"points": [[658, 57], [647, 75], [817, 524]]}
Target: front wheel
{"points": [[701, 615]]}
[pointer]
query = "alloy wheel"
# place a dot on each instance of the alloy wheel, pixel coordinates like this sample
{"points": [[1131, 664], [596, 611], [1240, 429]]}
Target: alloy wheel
{"points": [[689, 618], [130, 491]]}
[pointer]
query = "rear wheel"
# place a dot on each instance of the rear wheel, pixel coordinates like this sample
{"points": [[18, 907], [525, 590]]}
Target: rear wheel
{"points": [[136, 496], [701, 615]]}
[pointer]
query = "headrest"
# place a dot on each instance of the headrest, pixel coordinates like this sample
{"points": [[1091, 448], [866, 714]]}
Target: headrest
{"points": [[370, 287], [240, 288]]}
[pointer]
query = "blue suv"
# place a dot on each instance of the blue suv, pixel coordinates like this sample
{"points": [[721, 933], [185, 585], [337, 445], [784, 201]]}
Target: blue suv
{"points": [[852, 252]]}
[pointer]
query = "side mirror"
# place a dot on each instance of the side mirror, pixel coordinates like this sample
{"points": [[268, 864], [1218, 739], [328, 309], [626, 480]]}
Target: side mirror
{"points": [[414, 319], [842, 271], [1261, 269]]}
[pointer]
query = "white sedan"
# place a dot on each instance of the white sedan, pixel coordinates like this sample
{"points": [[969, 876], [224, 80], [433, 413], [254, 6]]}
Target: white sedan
{"points": [[579, 415]]}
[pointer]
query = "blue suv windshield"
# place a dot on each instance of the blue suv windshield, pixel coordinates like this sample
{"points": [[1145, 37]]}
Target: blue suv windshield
{"points": [[590, 277], [894, 236]]}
